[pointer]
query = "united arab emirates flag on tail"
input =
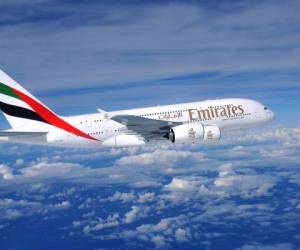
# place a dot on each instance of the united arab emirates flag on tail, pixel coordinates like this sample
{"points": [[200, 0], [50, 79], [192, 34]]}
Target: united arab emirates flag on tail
{"points": [[17, 107], [16, 102]]}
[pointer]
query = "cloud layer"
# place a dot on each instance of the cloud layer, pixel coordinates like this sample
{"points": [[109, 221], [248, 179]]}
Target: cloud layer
{"points": [[200, 196]]}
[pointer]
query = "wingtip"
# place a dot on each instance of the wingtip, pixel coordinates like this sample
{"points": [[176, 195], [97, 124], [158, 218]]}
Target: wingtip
{"points": [[101, 111]]}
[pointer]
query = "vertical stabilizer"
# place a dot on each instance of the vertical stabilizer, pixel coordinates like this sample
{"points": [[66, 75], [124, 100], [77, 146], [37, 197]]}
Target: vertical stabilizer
{"points": [[24, 112], [15, 105]]}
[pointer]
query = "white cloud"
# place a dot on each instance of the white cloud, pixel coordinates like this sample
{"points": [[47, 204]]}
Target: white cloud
{"points": [[179, 184], [146, 197], [100, 224], [124, 197], [87, 203], [226, 170], [247, 186], [6, 172], [165, 232], [62, 205], [225, 182], [149, 228], [65, 193], [11, 209], [181, 235], [133, 214], [286, 136], [145, 184], [222, 213], [111, 221], [166, 157], [282, 246], [76, 223], [19, 162], [158, 241], [12, 214], [50, 169]]}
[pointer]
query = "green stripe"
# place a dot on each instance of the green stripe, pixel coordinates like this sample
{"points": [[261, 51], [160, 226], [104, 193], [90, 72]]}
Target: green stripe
{"points": [[7, 91]]}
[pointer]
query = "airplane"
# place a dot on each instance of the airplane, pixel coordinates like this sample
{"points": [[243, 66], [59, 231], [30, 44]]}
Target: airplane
{"points": [[32, 122]]}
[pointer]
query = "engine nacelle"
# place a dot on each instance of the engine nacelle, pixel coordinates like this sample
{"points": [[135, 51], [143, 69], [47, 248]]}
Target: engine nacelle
{"points": [[211, 134], [189, 132], [194, 132]]}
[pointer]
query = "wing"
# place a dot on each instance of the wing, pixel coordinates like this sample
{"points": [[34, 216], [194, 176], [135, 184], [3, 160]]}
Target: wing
{"points": [[21, 133], [149, 129]]}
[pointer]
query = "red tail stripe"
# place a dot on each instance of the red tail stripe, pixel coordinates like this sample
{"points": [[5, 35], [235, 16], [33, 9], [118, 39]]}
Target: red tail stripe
{"points": [[50, 117]]}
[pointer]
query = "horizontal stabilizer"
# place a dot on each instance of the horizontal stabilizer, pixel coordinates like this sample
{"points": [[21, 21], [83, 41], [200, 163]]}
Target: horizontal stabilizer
{"points": [[21, 133]]}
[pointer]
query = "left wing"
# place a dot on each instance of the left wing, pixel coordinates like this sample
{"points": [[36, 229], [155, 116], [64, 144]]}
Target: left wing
{"points": [[149, 129]]}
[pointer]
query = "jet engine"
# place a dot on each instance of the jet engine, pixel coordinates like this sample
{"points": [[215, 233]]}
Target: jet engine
{"points": [[194, 132]]}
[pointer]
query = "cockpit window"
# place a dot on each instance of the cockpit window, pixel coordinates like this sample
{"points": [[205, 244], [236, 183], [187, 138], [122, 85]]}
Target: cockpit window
{"points": [[265, 108]]}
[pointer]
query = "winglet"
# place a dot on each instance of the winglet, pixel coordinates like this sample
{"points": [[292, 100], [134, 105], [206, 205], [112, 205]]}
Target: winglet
{"points": [[101, 111], [104, 113]]}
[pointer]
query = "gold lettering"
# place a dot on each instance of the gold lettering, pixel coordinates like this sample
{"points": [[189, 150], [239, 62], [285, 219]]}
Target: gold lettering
{"points": [[216, 112], [228, 110], [204, 114], [240, 107], [191, 114], [234, 109], [212, 112], [223, 112]]}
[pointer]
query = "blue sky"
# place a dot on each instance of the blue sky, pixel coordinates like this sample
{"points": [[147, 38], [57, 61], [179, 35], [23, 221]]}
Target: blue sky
{"points": [[136, 53], [77, 56]]}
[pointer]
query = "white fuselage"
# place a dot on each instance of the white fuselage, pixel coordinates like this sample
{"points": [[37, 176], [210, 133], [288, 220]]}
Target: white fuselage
{"points": [[224, 113]]}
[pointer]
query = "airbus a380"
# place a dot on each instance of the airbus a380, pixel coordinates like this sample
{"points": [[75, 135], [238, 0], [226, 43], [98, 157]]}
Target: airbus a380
{"points": [[32, 122]]}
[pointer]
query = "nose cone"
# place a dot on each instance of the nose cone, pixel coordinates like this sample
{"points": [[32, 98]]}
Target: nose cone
{"points": [[270, 115]]}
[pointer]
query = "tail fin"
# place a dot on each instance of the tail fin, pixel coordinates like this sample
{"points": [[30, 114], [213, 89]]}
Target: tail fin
{"points": [[18, 105], [24, 112]]}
